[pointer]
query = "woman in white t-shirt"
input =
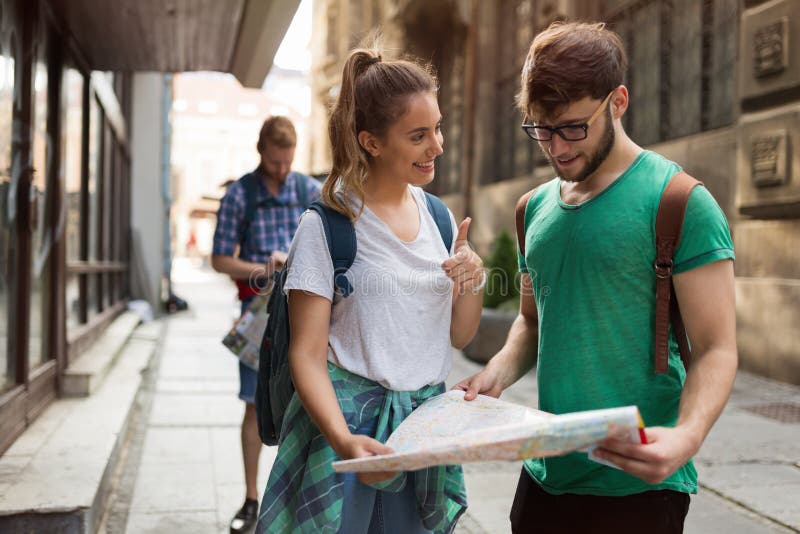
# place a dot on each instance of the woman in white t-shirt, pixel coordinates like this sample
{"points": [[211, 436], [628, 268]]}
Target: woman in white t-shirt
{"points": [[361, 364]]}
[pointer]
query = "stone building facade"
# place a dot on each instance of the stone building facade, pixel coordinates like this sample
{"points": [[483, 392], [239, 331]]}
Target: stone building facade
{"points": [[714, 84]]}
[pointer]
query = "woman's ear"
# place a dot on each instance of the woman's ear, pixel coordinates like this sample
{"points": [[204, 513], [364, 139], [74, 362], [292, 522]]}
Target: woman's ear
{"points": [[369, 143]]}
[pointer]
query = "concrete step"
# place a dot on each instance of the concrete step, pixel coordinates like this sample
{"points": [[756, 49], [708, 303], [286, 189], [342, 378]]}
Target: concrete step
{"points": [[55, 478], [87, 372]]}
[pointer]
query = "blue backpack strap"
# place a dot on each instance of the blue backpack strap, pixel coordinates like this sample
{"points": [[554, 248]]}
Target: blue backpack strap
{"points": [[341, 238], [250, 193], [301, 188], [441, 216]]}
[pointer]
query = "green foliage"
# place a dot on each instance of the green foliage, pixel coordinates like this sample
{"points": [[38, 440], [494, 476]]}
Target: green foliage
{"points": [[501, 268]]}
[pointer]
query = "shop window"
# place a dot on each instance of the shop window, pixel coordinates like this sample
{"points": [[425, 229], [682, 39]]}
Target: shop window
{"points": [[514, 155], [72, 147], [94, 155], [105, 196], [42, 243], [7, 367], [681, 73]]}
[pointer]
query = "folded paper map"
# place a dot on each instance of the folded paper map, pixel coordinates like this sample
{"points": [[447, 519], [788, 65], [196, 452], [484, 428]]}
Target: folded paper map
{"points": [[244, 339], [446, 429]]}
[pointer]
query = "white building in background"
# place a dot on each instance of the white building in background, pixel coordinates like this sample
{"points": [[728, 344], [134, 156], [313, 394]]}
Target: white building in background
{"points": [[215, 126]]}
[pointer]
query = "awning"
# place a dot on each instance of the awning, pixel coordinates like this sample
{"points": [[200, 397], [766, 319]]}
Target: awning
{"points": [[236, 36]]}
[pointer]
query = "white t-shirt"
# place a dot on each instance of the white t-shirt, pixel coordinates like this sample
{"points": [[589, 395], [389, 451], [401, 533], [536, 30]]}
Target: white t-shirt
{"points": [[394, 328]]}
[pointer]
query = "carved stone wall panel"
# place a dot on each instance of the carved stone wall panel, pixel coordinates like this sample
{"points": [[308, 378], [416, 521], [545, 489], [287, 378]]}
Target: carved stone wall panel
{"points": [[770, 51], [686, 68], [769, 165]]}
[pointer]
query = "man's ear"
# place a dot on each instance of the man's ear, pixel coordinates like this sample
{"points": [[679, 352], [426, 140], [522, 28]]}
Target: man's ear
{"points": [[619, 102], [369, 143]]}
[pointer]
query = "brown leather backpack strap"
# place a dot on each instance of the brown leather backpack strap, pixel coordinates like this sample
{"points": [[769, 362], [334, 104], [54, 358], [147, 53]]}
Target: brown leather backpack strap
{"points": [[519, 212], [669, 223], [680, 331]]}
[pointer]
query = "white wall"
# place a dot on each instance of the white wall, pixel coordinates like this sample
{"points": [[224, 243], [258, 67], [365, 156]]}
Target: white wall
{"points": [[148, 207]]}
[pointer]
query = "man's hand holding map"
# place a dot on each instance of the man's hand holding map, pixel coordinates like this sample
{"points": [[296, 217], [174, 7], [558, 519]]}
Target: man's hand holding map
{"points": [[446, 429]]}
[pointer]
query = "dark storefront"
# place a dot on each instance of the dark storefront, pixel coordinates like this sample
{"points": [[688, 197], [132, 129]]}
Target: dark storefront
{"points": [[64, 206]]}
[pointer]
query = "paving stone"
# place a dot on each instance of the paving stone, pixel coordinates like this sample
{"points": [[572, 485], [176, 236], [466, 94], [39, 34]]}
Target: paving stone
{"points": [[490, 494], [710, 514], [741, 436], [219, 385], [174, 488], [160, 523], [189, 366], [176, 445], [196, 410]]}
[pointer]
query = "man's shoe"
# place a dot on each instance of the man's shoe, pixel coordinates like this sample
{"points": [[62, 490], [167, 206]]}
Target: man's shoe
{"points": [[245, 519]]}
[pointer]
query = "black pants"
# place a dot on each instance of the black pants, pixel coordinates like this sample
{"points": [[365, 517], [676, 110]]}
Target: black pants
{"points": [[651, 512]]}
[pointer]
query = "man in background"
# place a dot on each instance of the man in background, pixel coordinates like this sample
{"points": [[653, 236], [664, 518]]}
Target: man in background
{"points": [[259, 214]]}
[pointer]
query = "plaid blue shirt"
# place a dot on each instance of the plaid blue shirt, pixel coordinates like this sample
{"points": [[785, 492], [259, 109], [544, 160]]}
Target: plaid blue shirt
{"points": [[272, 227]]}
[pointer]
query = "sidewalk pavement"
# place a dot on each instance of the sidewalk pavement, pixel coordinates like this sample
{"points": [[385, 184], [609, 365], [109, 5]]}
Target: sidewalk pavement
{"points": [[184, 468]]}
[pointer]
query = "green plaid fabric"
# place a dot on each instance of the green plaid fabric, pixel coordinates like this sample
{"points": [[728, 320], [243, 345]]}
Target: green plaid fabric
{"points": [[304, 494]]}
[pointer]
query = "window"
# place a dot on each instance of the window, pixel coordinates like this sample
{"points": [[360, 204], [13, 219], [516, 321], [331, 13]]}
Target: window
{"points": [[375, 9], [449, 63], [332, 42], [71, 165], [681, 69], [42, 236], [207, 106], [355, 20], [514, 155], [95, 147], [7, 366], [106, 215], [248, 110]]}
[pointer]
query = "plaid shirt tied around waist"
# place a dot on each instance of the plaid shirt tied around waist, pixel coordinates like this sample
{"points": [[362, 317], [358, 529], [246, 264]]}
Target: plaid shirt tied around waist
{"points": [[305, 495]]}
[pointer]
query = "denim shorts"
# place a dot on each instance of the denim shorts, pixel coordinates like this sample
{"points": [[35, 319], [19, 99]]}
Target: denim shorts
{"points": [[248, 378], [369, 510]]}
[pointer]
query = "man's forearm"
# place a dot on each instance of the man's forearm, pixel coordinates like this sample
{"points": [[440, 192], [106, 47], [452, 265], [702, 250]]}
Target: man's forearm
{"points": [[707, 388], [239, 269], [518, 354]]}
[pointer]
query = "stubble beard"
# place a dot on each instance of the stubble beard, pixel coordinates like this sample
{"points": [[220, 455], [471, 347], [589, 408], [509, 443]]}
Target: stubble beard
{"points": [[597, 159]]}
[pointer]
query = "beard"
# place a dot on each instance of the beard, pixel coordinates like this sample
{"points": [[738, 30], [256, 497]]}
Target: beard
{"points": [[271, 176], [597, 159]]}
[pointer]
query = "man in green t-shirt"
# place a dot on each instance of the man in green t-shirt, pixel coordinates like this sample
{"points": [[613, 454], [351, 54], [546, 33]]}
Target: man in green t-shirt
{"points": [[588, 300]]}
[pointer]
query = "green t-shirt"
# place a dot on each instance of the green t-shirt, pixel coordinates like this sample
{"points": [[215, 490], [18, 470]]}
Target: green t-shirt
{"points": [[592, 271]]}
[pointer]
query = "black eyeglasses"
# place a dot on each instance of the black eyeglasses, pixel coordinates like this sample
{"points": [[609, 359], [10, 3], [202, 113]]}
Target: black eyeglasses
{"points": [[567, 132]]}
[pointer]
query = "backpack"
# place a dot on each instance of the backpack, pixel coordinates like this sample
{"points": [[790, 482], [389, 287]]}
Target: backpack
{"points": [[274, 388], [250, 183], [669, 223]]}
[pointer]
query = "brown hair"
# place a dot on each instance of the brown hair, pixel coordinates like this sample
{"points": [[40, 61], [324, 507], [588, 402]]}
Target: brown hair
{"points": [[374, 94], [278, 131], [569, 61]]}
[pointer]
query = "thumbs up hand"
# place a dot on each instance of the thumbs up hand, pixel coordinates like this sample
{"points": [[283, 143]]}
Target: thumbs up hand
{"points": [[465, 267]]}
